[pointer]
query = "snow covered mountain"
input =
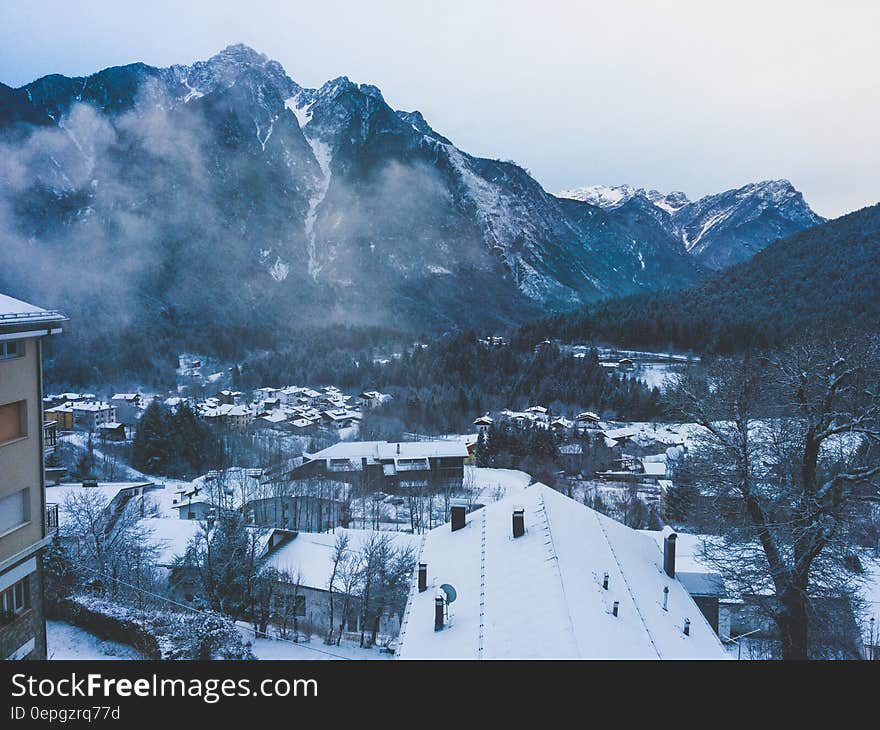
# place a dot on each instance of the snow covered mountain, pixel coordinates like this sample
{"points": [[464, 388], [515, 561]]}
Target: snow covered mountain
{"points": [[224, 191], [718, 230], [224, 197], [615, 196]]}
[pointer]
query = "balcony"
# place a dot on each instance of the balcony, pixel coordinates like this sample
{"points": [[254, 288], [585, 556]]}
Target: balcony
{"points": [[50, 437], [51, 518]]}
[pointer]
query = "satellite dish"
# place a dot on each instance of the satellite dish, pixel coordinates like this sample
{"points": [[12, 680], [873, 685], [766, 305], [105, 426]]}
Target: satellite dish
{"points": [[451, 595]]}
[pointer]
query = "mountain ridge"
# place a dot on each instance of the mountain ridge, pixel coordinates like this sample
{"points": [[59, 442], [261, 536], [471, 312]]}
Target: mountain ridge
{"points": [[225, 197], [719, 229]]}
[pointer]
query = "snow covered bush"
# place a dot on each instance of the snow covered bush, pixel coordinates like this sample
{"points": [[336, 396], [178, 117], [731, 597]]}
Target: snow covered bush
{"points": [[200, 636], [159, 634]]}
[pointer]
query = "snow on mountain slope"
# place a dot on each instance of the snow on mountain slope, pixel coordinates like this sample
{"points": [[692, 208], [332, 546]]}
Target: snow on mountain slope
{"points": [[611, 197], [720, 229]]}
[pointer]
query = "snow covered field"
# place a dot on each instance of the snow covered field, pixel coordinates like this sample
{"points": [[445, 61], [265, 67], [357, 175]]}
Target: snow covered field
{"points": [[66, 641]]}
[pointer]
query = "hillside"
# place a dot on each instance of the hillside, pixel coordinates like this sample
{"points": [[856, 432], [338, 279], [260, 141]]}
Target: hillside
{"points": [[826, 277]]}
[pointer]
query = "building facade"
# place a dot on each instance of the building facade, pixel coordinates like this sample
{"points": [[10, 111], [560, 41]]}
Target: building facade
{"points": [[23, 509]]}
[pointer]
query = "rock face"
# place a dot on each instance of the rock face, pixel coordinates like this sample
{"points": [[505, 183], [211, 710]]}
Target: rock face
{"points": [[718, 230], [224, 197]]}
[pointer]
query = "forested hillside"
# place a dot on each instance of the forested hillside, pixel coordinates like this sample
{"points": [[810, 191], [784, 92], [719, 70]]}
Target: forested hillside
{"points": [[826, 277]]}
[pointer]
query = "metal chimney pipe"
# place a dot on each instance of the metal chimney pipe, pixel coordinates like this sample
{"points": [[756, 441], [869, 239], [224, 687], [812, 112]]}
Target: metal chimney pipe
{"points": [[458, 512], [423, 577], [665, 598], [615, 608], [439, 609], [605, 581], [669, 554], [519, 522]]}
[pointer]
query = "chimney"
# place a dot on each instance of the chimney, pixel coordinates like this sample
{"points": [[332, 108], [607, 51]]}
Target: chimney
{"points": [[687, 627], [669, 554], [665, 598], [605, 581], [458, 512], [615, 608], [398, 449], [439, 609], [519, 522], [423, 577]]}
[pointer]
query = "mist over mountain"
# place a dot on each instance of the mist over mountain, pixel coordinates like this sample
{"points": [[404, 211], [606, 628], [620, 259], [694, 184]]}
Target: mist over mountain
{"points": [[717, 230], [220, 206]]}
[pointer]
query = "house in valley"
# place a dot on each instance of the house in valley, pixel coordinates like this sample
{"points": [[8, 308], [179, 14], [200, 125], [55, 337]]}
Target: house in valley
{"points": [[389, 467]]}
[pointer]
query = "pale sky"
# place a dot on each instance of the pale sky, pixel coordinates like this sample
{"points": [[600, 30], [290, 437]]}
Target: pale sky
{"points": [[673, 95]]}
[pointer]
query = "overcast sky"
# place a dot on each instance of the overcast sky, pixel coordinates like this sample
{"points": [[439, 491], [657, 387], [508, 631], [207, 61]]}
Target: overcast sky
{"points": [[674, 95]]}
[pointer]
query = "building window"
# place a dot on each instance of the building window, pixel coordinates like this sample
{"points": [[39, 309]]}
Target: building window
{"points": [[17, 598], [13, 421], [11, 349], [15, 510]]}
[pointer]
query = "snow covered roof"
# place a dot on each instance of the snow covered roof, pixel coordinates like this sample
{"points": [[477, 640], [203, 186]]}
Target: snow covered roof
{"points": [[16, 313], [418, 449], [310, 553], [60, 493], [541, 595], [171, 536], [654, 468], [92, 407], [384, 451], [276, 417]]}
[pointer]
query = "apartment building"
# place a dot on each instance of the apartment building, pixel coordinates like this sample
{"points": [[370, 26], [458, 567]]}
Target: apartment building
{"points": [[23, 509]]}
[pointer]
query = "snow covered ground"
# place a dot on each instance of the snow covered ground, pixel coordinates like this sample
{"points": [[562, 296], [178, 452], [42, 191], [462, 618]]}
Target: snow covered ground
{"points": [[275, 649], [655, 375], [66, 641]]}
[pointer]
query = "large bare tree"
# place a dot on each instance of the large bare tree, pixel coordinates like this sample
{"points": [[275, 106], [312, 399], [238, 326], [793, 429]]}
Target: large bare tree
{"points": [[788, 456]]}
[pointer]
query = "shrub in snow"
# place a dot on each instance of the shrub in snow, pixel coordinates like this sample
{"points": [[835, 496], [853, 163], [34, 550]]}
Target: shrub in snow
{"points": [[207, 637], [159, 634]]}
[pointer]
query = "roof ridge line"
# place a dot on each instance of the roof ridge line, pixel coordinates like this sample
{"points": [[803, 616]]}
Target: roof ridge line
{"points": [[482, 632], [555, 557], [628, 588]]}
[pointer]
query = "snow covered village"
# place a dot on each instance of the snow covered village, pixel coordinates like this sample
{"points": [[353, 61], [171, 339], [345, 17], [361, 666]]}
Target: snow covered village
{"points": [[297, 365], [319, 545]]}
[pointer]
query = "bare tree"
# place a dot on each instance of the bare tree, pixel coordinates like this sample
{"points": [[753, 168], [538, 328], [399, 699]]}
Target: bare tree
{"points": [[287, 612], [109, 539], [791, 441], [340, 555], [349, 576]]}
